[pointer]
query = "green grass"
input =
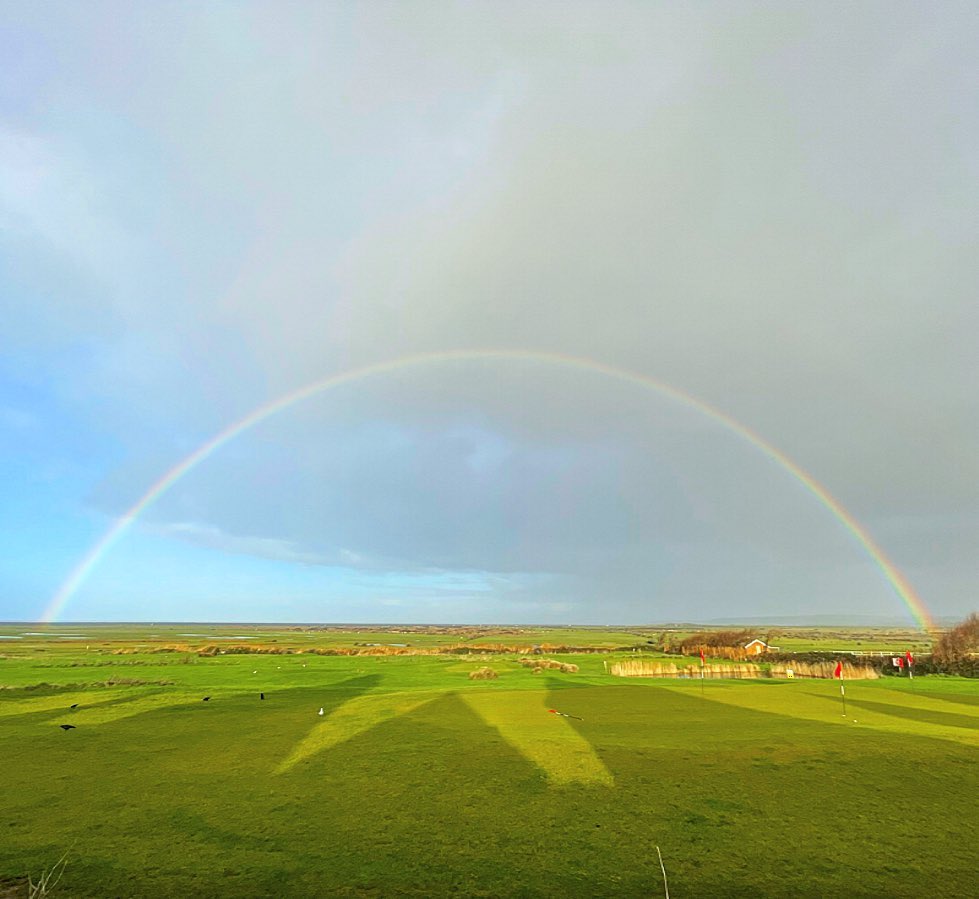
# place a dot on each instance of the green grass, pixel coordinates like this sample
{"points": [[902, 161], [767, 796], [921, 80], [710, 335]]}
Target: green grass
{"points": [[417, 781]]}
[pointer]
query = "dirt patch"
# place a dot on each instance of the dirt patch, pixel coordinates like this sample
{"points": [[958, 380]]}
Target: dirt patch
{"points": [[13, 886]]}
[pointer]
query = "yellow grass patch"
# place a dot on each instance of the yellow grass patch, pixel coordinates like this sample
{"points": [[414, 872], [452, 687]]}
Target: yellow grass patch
{"points": [[129, 706], [549, 741], [350, 719]]}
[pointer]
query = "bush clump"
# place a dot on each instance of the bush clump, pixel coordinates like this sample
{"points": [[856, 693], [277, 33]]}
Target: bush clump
{"points": [[960, 642], [483, 673], [539, 664]]}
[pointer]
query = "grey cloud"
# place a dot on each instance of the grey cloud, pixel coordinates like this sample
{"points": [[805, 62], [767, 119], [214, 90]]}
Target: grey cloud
{"points": [[771, 207], [266, 547]]}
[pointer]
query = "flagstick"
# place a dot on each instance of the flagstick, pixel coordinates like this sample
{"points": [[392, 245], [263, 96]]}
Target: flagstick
{"points": [[843, 694]]}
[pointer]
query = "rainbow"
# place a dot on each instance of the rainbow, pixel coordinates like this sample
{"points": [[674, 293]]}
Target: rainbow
{"points": [[84, 568]]}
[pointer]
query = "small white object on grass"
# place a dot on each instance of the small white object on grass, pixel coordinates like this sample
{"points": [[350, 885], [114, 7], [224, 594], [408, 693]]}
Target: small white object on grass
{"points": [[320, 712]]}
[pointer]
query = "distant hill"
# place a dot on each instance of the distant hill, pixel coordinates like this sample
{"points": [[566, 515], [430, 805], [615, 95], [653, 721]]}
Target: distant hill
{"points": [[839, 620]]}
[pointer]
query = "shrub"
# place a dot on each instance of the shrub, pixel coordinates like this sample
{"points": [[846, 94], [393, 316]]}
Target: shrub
{"points": [[959, 642], [538, 664], [483, 673], [711, 639], [963, 667]]}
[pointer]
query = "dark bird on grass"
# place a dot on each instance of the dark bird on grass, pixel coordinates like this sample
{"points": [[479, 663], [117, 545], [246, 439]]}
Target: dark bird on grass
{"points": [[67, 726], [74, 705], [205, 699], [261, 696]]}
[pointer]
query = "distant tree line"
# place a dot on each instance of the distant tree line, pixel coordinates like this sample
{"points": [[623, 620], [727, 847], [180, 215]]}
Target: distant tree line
{"points": [[718, 644], [713, 639]]}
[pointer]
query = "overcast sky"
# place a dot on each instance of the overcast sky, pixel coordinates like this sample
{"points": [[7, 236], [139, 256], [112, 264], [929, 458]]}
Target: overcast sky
{"points": [[772, 207]]}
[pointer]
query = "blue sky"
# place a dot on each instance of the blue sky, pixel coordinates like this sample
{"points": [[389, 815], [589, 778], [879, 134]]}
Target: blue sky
{"points": [[205, 207]]}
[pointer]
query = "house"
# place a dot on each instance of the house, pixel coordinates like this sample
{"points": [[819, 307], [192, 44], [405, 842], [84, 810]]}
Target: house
{"points": [[756, 647]]}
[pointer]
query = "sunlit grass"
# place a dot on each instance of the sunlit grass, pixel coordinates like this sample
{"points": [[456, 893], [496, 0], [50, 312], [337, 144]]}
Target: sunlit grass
{"points": [[872, 705], [550, 741], [418, 781], [350, 719]]}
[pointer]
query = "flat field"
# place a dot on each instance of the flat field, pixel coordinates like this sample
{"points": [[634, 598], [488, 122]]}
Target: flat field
{"points": [[418, 781]]}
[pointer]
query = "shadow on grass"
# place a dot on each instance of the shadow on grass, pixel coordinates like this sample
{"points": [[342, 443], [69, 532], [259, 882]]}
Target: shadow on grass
{"points": [[48, 712], [911, 713], [357, 711], [434, 802], [961, 698], [238, 731]]}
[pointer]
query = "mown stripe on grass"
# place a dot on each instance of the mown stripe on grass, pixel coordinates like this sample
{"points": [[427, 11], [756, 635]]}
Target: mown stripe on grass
{"points": [[821, 702], [934, 717]]}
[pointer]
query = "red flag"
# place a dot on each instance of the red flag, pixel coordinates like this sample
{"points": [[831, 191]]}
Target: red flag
{"points": [[900, 663], [909, 657], [701, 658], [839, 673]]}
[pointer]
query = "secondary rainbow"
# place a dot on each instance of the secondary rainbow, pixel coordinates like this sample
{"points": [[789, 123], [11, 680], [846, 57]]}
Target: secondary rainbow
{"points": [[83, 569]]}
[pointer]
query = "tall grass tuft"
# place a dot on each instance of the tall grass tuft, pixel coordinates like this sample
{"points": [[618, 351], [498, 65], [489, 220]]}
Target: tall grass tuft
{"points": [[825, 670], [49, 879], [483, 673], [539, 664], [649, 668]]}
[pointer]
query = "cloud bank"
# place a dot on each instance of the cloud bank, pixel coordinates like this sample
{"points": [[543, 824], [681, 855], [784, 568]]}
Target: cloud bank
{"points": [[772, 208]]}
